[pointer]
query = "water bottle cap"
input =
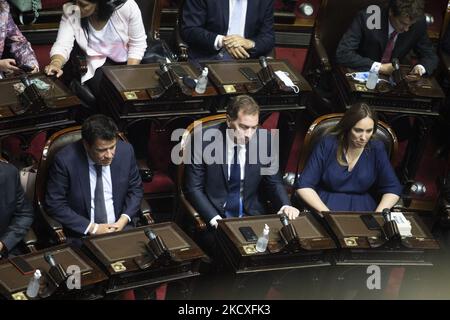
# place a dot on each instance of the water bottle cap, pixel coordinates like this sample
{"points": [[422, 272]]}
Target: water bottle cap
{"points": [[266, 228], [205, 71], [37, 273]]}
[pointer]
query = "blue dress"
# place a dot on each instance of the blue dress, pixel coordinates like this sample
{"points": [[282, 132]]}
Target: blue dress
{"points": [[342, 190]]}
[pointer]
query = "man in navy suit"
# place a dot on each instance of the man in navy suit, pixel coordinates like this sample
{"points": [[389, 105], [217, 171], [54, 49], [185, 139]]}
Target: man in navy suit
{"points": [[403, 27], [16, 212], [211, 186], [228, 29], [94, 185]]}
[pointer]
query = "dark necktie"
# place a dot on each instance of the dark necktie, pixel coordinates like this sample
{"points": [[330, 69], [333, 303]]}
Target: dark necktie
{"points": [[232, 207], [387, 54], [99, 198]]}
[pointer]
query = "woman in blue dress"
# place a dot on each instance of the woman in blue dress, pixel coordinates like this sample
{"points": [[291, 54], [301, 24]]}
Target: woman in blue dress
{"points": [[346, 166]]}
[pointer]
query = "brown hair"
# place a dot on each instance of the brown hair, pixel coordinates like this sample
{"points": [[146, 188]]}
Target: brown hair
{"points": [[243, 103], [356, 113], [414, 9]]}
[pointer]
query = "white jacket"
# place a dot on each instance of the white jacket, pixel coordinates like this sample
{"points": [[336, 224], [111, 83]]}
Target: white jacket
{"points": [[127, 20]]}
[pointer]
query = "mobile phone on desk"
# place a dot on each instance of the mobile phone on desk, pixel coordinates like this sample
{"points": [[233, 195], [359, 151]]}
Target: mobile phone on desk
{"points": [[26, 68], [249, 73], [179, 71], [370, 222], [249, 234], [22, 265]]}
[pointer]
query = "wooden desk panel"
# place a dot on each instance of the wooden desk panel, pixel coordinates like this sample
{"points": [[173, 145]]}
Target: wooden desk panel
{"points": [[116, 253], [13, 282], [61, 102], [359, 245], [315, 243]]}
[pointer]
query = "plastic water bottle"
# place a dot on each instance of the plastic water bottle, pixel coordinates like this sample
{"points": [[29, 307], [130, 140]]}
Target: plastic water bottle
{"points": [[263, 240], [202, 82], [372, 80], [33, 285]]}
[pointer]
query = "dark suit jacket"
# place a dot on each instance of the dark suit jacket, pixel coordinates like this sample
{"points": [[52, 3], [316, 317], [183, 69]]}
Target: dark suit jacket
{"points": [[68, 196], [446, 40], [203, 20], [16, 212], [360, 47], [206, 185]]}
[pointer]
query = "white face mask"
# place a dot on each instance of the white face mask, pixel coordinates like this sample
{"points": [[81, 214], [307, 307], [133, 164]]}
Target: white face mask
{"points": [[284, 76], [359, 76]]}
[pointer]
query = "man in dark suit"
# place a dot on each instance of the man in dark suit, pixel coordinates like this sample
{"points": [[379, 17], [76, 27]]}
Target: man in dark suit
{"points": [[16, 212], [228, 29], [94, 185], [230, 182], [402, 28]]}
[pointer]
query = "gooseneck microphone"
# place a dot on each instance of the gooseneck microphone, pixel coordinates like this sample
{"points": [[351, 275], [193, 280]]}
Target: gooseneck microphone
{"points": [[284, 220], [263, 62], [50, 259], [150, 234], [386, 214]]}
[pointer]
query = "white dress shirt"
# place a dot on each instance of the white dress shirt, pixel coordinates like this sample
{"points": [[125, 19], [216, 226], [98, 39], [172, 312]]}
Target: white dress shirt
{"points": [[107, 193], [219, 39]]}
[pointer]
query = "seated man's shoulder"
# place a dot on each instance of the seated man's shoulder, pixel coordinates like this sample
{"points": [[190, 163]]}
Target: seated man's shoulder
{"points": [[8, 169]]}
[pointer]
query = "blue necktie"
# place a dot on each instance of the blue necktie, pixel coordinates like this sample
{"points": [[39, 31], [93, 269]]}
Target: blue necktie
{"points": [[234, 26], [233, 204], [99, 197]]}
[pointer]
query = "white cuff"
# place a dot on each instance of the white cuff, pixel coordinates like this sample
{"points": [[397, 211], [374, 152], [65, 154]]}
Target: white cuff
{"points": [[128, 217], [213, 222], [87, 229], [375, 67], [218, 43], [282, 208], [421, 68]]}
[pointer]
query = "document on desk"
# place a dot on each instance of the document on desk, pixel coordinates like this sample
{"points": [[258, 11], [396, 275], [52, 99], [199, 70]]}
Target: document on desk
{"points": [[404, 226]]}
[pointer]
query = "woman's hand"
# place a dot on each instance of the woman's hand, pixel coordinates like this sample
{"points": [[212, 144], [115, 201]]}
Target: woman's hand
{"points": [[53, 69], [8, 66]]}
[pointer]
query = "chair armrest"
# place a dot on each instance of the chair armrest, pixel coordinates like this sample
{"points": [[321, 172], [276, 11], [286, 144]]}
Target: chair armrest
{"points": [[144, 171], [30, 241], [199, 223], [55, 227], [146, 213], [322, 54]]}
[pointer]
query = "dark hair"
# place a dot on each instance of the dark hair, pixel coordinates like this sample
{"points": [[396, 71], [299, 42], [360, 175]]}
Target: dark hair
{"points": [[357, 112], [104, 11], [414, 9], [243, 102], [98, 126]]}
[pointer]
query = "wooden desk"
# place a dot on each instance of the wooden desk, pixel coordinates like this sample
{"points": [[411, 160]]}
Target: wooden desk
{"points": [[229, 81], [13, 283], [116, 254], [128, 91], [61, 111], [361, 246], [316, 244]]}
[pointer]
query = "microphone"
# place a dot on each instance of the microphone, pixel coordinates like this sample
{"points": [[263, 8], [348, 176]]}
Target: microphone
{"points": [[25, 80], [284, 220], [163, 67], [386, 214], [263, 62], [150, 234], [397, 75], [50, 259]]}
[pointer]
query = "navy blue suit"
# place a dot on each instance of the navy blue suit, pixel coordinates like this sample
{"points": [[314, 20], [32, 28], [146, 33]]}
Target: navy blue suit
{"points": [[360, 46], [68, 197], [203, 20], [16, 212], [206, 185]]}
